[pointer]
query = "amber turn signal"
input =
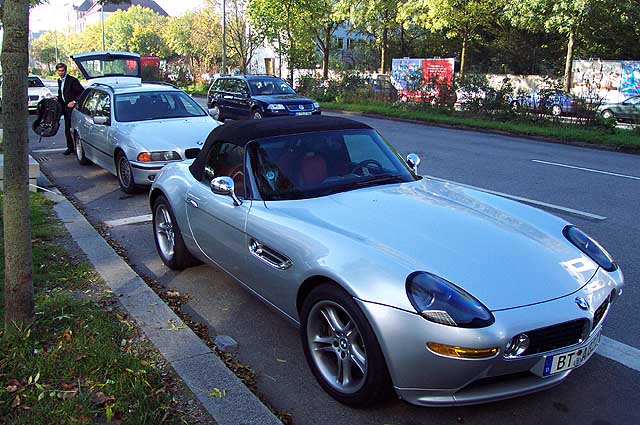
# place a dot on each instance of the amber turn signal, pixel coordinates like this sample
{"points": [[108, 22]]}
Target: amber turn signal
{"points": [[461, 352], [144, 157]]}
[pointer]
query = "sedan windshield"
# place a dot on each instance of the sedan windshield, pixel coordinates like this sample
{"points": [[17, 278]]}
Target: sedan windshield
{"points": [[269, 86], [316, 164], [155, 105]]}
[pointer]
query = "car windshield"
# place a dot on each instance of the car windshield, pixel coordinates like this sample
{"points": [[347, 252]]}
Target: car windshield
{"points": [[269, 86], [155, 105], [316, 164], [35, 82]]}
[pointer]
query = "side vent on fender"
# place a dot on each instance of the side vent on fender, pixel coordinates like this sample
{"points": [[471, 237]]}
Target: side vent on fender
{"points": [[269, 256]]}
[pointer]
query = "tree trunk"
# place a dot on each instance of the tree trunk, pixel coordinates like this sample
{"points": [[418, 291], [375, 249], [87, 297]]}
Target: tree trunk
{"points": [[18, 279], [567, 68], [326, 52], [463, 55], [383, 50]]}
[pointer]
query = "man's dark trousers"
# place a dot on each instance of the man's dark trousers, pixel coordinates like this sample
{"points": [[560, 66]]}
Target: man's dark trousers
{"points": [[66, 112]]}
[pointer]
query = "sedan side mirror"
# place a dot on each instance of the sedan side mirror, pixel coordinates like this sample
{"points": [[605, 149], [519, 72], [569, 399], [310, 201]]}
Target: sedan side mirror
{"points": [[413, 160], [100, 120], [225, 186]]}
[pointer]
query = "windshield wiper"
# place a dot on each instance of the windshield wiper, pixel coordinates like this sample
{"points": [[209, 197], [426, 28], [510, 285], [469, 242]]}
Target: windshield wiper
{"points": [[381, 179]]}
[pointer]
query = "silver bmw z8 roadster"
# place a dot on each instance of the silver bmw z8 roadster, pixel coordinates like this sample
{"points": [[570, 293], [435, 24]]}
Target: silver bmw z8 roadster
{"points": [[399, 283]]}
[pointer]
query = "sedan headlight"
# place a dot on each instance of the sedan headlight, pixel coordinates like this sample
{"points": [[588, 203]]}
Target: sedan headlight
{"points": [[316, 105], [159, 156], [440, 301], [590, 247], [276, 107]]}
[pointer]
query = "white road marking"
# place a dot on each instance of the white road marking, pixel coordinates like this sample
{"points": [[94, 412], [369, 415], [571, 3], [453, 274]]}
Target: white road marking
{"points": [[49, 150], [586, 169], [129, 220], [619, 352], [527, 200]]}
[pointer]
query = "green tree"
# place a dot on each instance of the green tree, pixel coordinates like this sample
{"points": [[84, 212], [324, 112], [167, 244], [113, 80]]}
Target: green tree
{"points": [[458, 18], [323, 17], [560, 16], [377, 18], [135, 30], [48, 49], [242, 39], [18, 274], [281, 22]]}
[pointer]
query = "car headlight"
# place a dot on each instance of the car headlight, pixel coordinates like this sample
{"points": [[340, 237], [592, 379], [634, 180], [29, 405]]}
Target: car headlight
{"points": [[276, 107], [158, 156], [316, 105], [590, 247], [440, 301]]}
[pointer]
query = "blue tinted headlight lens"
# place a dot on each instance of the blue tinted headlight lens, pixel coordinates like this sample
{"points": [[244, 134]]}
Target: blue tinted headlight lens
{"points": [[442, 302], [590, 247]]}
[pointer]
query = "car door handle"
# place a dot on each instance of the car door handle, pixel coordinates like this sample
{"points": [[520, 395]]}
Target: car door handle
{"points": [[191, 202]]}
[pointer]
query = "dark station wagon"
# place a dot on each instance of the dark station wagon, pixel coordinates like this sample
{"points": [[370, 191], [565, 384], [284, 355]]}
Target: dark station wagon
{"points": [[256, 97]]}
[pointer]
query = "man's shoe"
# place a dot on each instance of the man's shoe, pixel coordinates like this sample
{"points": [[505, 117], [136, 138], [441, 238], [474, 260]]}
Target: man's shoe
{"points": [[67, 152]]}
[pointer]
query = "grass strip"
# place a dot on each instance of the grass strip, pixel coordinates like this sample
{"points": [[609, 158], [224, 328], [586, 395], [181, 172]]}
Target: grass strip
{"points": [[619, 138], [78, 362]]}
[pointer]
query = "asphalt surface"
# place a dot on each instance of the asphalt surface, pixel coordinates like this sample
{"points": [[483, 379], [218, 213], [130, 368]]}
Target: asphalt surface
{"points": [[601, 392]]}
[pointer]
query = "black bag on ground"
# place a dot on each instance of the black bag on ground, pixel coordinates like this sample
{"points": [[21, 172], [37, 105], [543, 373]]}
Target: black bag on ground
{"points": [[48, 121]]}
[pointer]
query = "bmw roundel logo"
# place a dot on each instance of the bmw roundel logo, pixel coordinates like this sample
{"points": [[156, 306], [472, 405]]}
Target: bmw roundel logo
{"points": [[582, 303], [200, 142]]}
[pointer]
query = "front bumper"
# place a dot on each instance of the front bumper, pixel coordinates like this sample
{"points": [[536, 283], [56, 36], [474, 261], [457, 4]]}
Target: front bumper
{"points": [[288, 113], [424, 378], [144, 173]]}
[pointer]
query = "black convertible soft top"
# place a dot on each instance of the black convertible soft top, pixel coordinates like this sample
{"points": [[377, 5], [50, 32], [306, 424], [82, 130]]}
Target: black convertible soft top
{"points": [[242, 132]]}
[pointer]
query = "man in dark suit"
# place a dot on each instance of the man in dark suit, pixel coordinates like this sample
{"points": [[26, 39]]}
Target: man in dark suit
{"points": [[69, 91]]}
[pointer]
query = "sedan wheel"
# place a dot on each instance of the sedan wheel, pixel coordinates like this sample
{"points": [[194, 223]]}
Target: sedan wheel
{"points": [[82, 159], [341, 348], [256, 115], [125, 174], [168, 238], [556, 110]]}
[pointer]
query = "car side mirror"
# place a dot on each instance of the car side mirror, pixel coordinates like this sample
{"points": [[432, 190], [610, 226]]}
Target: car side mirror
{"points": [[244, 94], [413, 160], [225, 186], [100, 120]]}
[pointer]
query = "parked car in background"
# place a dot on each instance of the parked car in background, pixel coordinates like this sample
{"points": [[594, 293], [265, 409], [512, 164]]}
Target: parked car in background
{"points": [[36, 92], [627, 110], [256, 97], [133, 129], [552, 101], [440, 293]]}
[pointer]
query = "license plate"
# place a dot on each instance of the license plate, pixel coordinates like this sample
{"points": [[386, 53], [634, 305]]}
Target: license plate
{"points": [[571, 359], [303, 113]]}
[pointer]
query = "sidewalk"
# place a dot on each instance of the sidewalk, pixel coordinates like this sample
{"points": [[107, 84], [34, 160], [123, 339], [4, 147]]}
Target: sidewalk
{"points": [[221, 393]]}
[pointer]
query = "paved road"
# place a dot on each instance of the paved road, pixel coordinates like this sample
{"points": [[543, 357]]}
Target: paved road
{"points": [[601, 392]]}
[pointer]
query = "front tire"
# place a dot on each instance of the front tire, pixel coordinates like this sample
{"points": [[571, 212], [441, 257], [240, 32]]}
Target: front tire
{"points": [[341, 348], [216, 114], [125, 174], [168, 238], [256, 115], [556, 110], [80, 155], [607, 114]]}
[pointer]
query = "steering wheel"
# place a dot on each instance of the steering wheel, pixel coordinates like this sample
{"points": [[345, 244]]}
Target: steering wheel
{"points": [[362, 165]]}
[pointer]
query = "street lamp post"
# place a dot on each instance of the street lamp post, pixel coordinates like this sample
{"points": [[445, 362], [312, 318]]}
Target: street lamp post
{"points": [[102, 21], [224, 36]]}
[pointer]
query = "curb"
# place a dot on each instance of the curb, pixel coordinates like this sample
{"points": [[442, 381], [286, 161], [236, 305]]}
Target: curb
{"points": [[200, 369], [621, 149]]}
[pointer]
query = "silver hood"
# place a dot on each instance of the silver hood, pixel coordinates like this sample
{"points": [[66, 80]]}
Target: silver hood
{"points": [[169, 134], [504, 253]]}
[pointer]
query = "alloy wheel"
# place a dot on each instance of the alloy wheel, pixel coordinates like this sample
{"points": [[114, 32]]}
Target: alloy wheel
{"points": [[337, 347], [164, 231], [215, 112], [124, 171], [256, 115]]}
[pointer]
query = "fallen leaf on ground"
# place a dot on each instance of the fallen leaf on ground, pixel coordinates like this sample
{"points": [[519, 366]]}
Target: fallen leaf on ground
{"points": [[101, 399]]}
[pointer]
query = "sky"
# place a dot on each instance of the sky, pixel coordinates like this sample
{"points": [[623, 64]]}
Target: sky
{"points": [[48, 17]]}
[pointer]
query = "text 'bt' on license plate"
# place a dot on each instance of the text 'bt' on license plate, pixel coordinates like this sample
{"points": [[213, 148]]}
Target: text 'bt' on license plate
{"points": [[570, 359], [303, 113]]}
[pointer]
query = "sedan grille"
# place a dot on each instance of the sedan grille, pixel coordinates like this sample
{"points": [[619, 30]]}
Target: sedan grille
{"points": [[599, 313], [300, 107], [191, 153], [33, 97], [557, 336]]}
